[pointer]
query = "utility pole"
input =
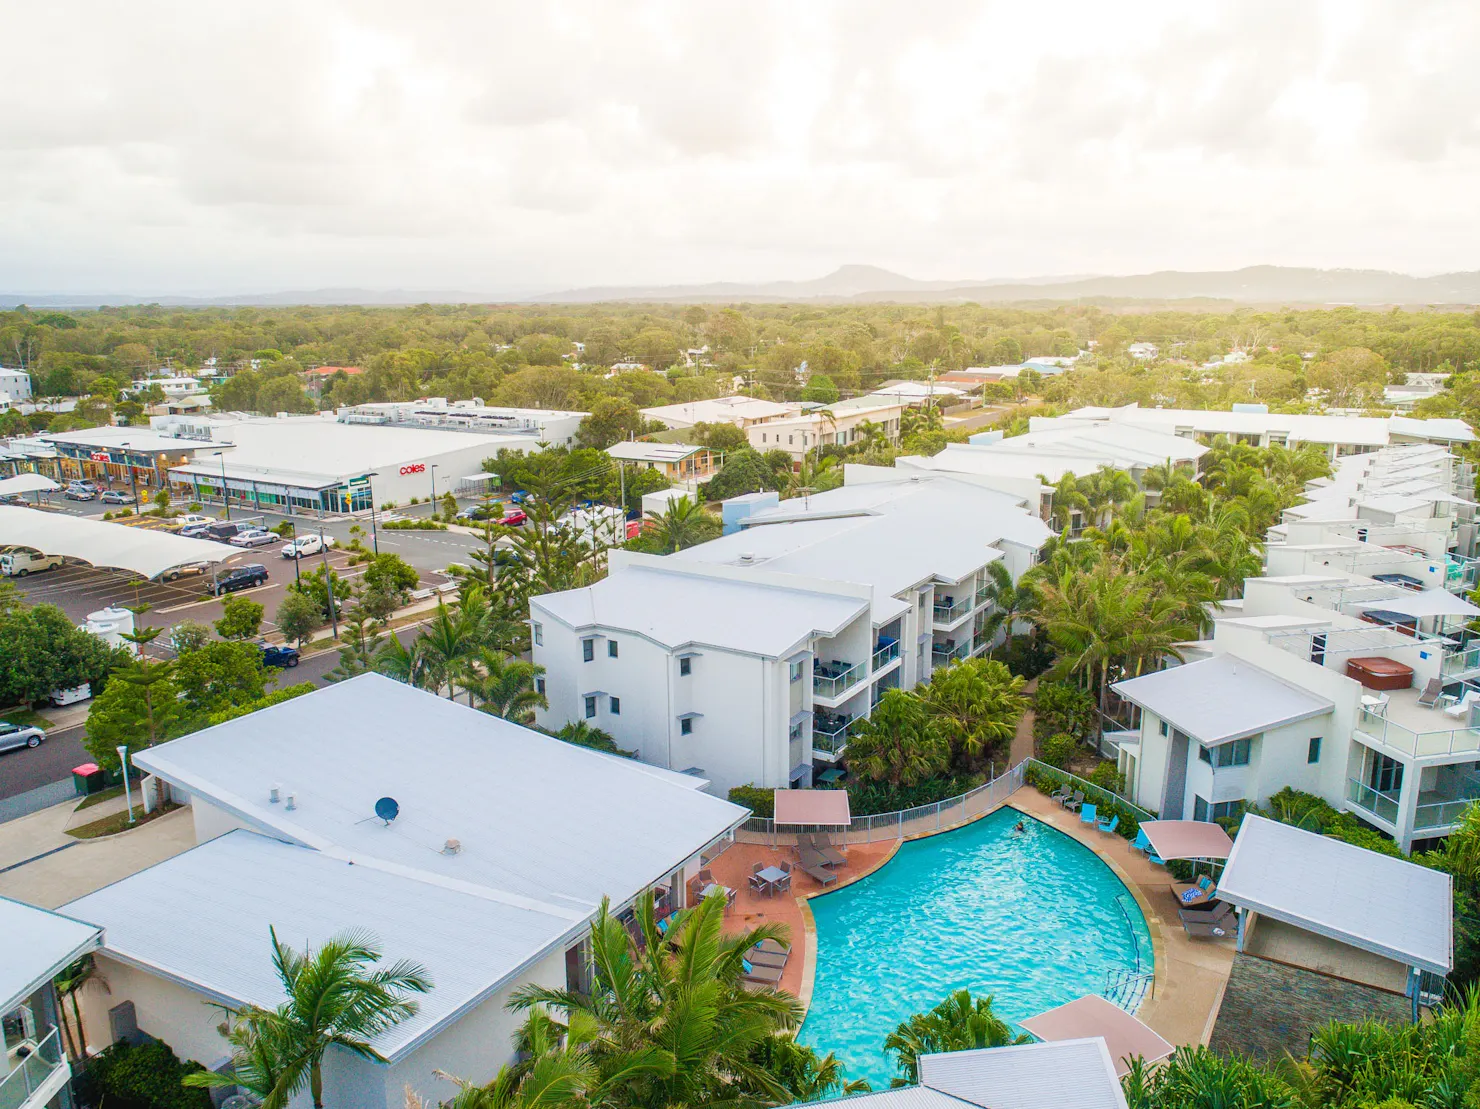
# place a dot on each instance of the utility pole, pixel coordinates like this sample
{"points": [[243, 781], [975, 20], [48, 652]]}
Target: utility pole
{"points": [[328, 582], [374, 536]]}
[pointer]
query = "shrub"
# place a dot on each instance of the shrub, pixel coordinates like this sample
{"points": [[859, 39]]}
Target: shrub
{"points": [[195, 506], [762, 802], [867, 798], [413, 525], [145, 1077], [1063, 708], [1107, 776], [1047, 781], [107, 515], [1057, 750], [1027, 656]]}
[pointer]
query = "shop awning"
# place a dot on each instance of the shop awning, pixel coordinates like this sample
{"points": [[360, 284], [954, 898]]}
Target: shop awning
{"points": [[102, 543], [1092, 1015], [812, 806], [1187, 839], [27, 483]]}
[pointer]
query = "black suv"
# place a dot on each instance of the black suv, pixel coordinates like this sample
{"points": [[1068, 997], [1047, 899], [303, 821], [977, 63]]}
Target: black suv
{"points": [[220, 529], [238, 577]]}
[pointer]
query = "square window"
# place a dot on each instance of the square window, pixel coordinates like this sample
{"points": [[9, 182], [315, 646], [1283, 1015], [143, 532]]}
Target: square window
{"points": [[686, 726], [796, 671], [611, 648], [685, 667], [590, 707], [588, 650], [1206, 755], [539, 634], [1313, 752], [616, 706], [1200, 809]]}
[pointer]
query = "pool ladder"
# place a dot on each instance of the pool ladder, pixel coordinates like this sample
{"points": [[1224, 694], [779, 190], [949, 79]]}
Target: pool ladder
{"points": [[1128, 988]]}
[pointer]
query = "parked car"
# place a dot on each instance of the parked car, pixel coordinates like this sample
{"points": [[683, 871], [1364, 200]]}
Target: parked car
{"points": [[116, 496], [238, 577], [60, 697], [17, 564], [81, 483], [176, 572], [252, 537], [75, 494], [281, 657], [514, 519], [16, 735], [475, 514], [220, 530], [306, 545], [192, 519]]}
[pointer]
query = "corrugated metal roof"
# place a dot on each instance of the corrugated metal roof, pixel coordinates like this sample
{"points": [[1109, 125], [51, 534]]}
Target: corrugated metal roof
{"points": [[1070, 1074], [234, 888], [1221, 698], [1374, 902], [38, 945], [536, 817]]}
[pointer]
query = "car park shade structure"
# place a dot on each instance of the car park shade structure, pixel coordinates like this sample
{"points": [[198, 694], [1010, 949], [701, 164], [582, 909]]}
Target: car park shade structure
{"points": [[102, 543]]}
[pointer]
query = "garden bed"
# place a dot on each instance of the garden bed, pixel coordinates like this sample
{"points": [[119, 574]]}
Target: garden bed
{"points": [[119, 822]]}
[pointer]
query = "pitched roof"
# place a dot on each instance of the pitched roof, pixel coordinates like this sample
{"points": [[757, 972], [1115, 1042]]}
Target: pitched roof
{"points": [[1069, 1074], [1221, 699], [39, 944]]}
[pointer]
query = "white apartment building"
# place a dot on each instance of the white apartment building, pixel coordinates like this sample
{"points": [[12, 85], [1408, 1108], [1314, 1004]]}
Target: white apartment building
{"points": [[751, 658], [554, 427], [838, 424], [15, 387], [739, 410]]}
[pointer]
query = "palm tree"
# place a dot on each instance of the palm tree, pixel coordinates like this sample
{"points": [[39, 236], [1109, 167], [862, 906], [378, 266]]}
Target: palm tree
{"points": [[975, 705], [448, 642], [1010, 599], [959, 1023], [69, 984], [899, 743], [1067, 500], [404, 663], [506, 686], [334, 999], [684, 523]]}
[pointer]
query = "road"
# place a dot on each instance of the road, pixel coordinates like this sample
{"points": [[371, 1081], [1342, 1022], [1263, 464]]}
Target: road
{"points": [[31, 767]]}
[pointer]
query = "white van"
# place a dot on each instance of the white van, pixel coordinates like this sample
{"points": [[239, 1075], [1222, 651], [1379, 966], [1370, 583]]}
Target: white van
{"points": [[60, 697], [17, 564]]}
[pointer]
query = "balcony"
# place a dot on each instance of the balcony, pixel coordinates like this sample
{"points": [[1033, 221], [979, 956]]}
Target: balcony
{"points": [[948, 610], [829, 679], [38, 1077], [983, 595], [948, 652], [830, 731], [1419, 741], [885, 652], [1461, 661], [1384, 806]]}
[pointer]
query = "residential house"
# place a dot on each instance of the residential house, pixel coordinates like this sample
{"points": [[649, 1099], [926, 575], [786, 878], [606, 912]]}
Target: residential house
{"points": [[15, 387], [840, 424], [317, 379], [463, 842], [741, 411], [1142, 352], [680, 463], [752, 657]]}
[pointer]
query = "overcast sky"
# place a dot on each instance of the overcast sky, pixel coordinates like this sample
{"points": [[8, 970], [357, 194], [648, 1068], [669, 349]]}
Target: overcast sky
{"points": [[212, 147]]}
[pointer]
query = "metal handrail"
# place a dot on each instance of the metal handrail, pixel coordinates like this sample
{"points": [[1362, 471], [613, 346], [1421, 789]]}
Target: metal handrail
{"points": [[831, 687], [31, 1074], [1382, 805], [885, 655], [1444, 741], [954, 611]]}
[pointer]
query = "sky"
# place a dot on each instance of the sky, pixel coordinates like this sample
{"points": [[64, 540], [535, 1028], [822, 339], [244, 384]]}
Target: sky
{"points": [[205, 148]]}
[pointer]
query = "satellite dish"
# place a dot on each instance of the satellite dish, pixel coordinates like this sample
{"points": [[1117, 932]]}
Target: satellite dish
{"points": [[387, 809]]}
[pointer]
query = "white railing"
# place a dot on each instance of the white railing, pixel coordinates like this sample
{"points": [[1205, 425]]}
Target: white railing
{"points": [[32, 1072], [949, 614], [832, 685], [885, 655], [1382, 805], [1446, 741]]}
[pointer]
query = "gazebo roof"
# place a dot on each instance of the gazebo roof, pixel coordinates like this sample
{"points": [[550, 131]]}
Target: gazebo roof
{"points": [[1091, 1015], [812, 806], [1187, 839]]}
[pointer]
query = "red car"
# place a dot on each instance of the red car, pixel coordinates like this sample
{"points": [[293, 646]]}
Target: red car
{"points": [[514, 519]]}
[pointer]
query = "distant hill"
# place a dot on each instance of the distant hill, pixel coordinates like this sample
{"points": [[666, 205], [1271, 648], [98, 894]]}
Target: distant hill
{"points": [[1252, 285], [291, 299]]}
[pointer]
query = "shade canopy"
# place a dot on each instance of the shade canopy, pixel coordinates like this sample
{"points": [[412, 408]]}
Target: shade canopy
{"points": [[812, 806], [1091, 1015], [1429, 602], [1187, 839], [103, 543], [27, 483]]}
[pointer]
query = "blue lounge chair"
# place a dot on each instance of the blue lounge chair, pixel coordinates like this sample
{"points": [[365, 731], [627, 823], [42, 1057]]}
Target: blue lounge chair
{"points": [[1108, 825], [1141, 843], [1087, 813]]}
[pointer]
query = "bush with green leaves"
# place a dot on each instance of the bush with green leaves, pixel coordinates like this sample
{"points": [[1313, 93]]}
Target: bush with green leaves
{"points": [[1058, 750], [868, 798], [144, 1077], [298, 616], [241, 618], [1027, 655], [1062, 707], [1107, 776], [761, 802], [413, 525]]}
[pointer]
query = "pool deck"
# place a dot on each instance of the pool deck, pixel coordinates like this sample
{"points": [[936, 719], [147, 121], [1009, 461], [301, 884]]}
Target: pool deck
{"points": [[1190, 974]]}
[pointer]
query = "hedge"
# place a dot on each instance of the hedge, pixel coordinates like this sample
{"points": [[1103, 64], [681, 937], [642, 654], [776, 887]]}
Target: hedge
{"points": [[1047, 781], [413, 525], [145, 1077], [761, 802]]}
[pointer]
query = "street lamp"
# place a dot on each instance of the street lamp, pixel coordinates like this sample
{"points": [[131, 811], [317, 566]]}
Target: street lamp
{"points": [[133, 482], [225, 496], [374, 537], [128, 797], [434, 489], [328, 581]]}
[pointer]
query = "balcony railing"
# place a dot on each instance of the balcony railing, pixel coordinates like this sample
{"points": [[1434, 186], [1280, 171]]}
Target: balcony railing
{"points": [[952, 610], [1449, 741], [830, 680], [33, 1073], [940, 655], [1384, 805], [983, 595], [830, 731], [885, 655], [1461, 661], [1439, 814]]}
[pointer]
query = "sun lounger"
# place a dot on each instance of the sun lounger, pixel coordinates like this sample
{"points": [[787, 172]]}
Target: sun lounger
{"points": [[830, 855], [758, 973], [821, 873], [773, 947], [765, 959], [1217, 912], [810, 856], [1197, 894], [1463, 706], [1088, 814], [1431, 693], [1209, 929], [1108, 825]]}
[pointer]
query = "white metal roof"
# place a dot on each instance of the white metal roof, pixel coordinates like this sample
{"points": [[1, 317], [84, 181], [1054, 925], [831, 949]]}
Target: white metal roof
{"points": [[38, 946], [1069, 1074], [1221, 699], [652, 452], [720, 410], [104, 543], [679, 609], [537, 818], [27, 483], [1300, 428], [202, 918], [1375, 902]]}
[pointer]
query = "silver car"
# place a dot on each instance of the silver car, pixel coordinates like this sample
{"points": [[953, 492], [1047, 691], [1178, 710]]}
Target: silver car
{"points": [[16, 735]]}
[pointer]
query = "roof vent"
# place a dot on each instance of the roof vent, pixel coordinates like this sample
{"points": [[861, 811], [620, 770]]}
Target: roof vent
{"points": [[747, 557], [275, 794], [387, 808], [452, 847], [292, 803]]}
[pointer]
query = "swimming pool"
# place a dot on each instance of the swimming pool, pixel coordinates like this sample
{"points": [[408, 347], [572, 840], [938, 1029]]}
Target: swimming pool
{"points": [[1033, 918]]}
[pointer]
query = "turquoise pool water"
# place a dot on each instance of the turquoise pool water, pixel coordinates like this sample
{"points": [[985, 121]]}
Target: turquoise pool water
{"points": [[1029, 917]]}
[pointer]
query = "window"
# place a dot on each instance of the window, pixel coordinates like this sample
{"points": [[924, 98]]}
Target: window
{"points": [[588, 650], [539, 685], [539, 634], [796, 670], [1313, 752], [1223, 810], [1162, 724], [686, 726], [611, 648], [685, 667], [590, 707], [616, 706], [1229, 754], [1204, 754]]}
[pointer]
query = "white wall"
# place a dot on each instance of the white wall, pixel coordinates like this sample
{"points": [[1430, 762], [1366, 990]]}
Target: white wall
{"points": [[211, 822]]}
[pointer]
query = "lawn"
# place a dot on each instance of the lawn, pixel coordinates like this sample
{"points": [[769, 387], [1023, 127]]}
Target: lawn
{"points": [[118, 822], [102, 795], [27, 717]]}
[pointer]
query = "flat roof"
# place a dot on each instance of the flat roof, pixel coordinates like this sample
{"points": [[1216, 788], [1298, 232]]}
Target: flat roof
{"points": [[469, 944], [680, 610], [719, 410], [812, 806], [537, 818], [1375, 902], [115, 438], [653, 452], [1069, 1074], [39, 945], [1187, 839], [1222, 698], [105, 543]]}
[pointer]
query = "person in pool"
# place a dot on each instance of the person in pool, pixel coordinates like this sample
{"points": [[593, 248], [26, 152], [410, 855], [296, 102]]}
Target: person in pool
{"points": [[1020, 827]]}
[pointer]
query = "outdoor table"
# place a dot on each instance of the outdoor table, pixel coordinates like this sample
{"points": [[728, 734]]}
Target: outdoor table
{"points": [[772, 875]]}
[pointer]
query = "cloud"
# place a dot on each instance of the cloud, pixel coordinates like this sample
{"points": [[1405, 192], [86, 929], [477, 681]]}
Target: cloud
{"points": [[174, 147]]}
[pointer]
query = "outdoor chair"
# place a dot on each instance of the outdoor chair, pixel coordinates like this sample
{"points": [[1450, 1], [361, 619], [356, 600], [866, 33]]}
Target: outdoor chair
{"points": [[821, 873], [1110, 825], [1062, 794], [1141, 843], [765, 959], [1431, 693], [1463, 706], [774, 947], [1074, 802], [754, 972], [830, 855], [1198, 894], [811, 857], [757, 883], [1088, 814], [1209, 925]]}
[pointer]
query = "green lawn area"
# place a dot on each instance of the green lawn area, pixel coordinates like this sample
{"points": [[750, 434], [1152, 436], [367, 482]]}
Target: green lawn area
{"points": [[26, 716], [102, 795], [118, 822]]}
